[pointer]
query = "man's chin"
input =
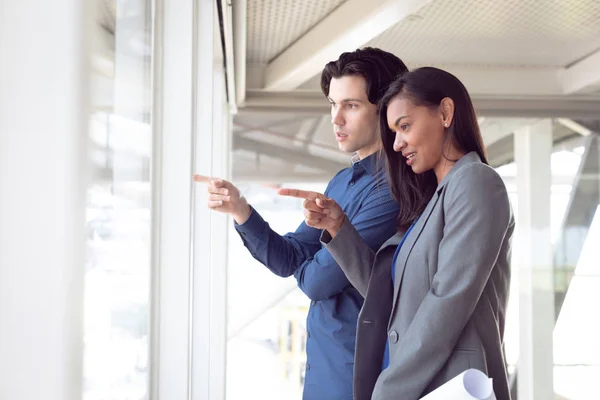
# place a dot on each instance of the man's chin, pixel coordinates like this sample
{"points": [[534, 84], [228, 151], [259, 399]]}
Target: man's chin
{"points": [[346, 149]]}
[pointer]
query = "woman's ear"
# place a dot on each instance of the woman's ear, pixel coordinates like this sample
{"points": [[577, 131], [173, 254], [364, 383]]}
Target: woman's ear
{"points": [[447, 111]]}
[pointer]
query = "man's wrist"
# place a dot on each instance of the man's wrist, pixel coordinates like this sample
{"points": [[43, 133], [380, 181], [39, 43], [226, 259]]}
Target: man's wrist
{"points": [[242, 216]]}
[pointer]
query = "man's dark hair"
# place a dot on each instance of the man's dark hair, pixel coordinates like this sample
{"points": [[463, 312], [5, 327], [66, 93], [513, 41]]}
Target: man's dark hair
{"points": [[378, 68]]}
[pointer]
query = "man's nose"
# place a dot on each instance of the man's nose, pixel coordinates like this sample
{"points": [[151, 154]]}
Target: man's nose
{"points": [[336, 117]]}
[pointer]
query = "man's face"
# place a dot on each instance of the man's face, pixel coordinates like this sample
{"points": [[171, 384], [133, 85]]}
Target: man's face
{"points": [[353, 117]]}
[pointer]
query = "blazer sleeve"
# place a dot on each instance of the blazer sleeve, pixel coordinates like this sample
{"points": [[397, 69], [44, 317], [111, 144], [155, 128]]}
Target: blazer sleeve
{"points": [[375, 221], [477, 215], [354, 256], [369, 227]]}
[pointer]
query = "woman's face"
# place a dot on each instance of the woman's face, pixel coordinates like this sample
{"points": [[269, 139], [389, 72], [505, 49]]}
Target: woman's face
{"points": [[419, 132]]}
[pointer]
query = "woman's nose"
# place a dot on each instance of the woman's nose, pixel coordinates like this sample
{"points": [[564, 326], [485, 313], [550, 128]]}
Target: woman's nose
{"points": [[399, 143]]}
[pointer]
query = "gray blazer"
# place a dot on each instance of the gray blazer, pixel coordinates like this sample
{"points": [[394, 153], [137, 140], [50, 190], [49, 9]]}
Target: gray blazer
{"points": [[446, 310]]}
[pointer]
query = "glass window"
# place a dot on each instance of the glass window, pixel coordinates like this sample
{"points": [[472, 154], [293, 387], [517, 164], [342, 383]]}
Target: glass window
{"points": [[118, 205], [266, 353], [575, 233]]}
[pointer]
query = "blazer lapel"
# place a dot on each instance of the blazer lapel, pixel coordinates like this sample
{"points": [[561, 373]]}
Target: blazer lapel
{"points": [[393, 241], [408, 245]]}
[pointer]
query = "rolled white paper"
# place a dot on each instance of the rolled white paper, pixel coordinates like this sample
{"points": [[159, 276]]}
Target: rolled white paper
{"points": [[472, 384]]}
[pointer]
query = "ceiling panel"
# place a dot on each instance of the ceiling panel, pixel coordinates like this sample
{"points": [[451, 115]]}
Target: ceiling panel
{"points": [[273, 25], [540, 33]]}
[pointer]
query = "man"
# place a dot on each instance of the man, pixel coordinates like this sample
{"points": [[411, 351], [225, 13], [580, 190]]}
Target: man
{"points": [[353, 84]]}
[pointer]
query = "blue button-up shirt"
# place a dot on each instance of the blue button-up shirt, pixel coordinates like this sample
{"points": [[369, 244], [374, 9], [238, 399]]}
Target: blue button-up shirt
{"points": [[362, 191]]}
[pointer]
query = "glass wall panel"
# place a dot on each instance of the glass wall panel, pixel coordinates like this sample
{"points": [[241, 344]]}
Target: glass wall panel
{"points": [[266, 354], [575, 233], [118, 205]]}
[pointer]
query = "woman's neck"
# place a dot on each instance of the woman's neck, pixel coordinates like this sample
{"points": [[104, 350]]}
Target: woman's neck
{"points": [[447, 161]]}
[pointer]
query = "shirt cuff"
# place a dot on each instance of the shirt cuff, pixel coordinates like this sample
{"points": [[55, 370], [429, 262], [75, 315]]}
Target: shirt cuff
{"points": [[325, 237], [254, 225]]}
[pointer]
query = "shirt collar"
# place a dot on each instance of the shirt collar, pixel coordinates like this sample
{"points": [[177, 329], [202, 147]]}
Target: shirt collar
{"points": [[372, 164]]}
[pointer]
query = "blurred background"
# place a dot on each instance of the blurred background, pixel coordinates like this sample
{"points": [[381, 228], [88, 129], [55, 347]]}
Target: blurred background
{"points": [[116, 282]]}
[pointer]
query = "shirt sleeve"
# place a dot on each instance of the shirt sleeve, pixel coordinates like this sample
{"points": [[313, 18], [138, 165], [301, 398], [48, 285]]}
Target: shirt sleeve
{"points": [[320, 277], [283, 255]]}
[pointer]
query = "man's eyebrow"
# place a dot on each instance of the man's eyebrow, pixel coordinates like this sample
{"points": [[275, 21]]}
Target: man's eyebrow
{"points": [[349, 100], [398, 120]]}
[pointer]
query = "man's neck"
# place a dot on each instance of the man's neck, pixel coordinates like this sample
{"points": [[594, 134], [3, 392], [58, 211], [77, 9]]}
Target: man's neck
{"points": [[366, 152]]}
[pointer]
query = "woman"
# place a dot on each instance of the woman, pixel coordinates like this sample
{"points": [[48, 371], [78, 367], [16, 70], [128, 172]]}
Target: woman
{"points": [[435, 293]]}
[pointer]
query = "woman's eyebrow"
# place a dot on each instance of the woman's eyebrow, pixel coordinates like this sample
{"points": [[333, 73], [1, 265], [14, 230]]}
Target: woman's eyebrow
{"points": [[398, 120]]}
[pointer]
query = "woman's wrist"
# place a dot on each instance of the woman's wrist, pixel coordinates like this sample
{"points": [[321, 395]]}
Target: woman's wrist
{"points": [[333, 231]]}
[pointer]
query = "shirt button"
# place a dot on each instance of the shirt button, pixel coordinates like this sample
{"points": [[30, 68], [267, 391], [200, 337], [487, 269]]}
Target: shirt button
{"points": [[307, 366], [351, 183], [308, 335], [393, 336], [314, 302]]}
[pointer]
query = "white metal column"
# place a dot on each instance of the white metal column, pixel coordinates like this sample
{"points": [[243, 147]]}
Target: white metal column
{"points": [[172, 189], [43, 142], [211, 157], [192, 134], [533, 148], [219, 228], [204, 120]]}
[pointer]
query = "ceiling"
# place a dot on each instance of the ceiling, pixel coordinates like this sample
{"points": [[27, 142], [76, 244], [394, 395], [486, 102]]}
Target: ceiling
{"points": [[521, 60], [458, 32], [274, 24]]}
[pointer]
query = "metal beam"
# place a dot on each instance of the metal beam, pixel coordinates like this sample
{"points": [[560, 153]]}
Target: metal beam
{"points": [[348, 27], [494, 130], [582, 75], [287, 154], [575, 107], [279, 137], [242, 127], [229, 50], [574, 126], [509, 81], [534, 267], [585, 197], [306, 132], [502, 152], [485, 81], [274, 176], [239, 42]]}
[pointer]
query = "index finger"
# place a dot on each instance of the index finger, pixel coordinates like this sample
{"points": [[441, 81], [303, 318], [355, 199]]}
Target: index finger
{"points": [[301, 194], [201, 178]]}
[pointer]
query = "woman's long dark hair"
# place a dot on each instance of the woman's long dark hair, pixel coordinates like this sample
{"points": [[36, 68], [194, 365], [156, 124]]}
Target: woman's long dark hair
{"points": [[427, 87]]}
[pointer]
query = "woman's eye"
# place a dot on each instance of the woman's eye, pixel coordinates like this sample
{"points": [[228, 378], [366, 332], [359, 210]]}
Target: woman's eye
{"points": [[404, 127]]}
